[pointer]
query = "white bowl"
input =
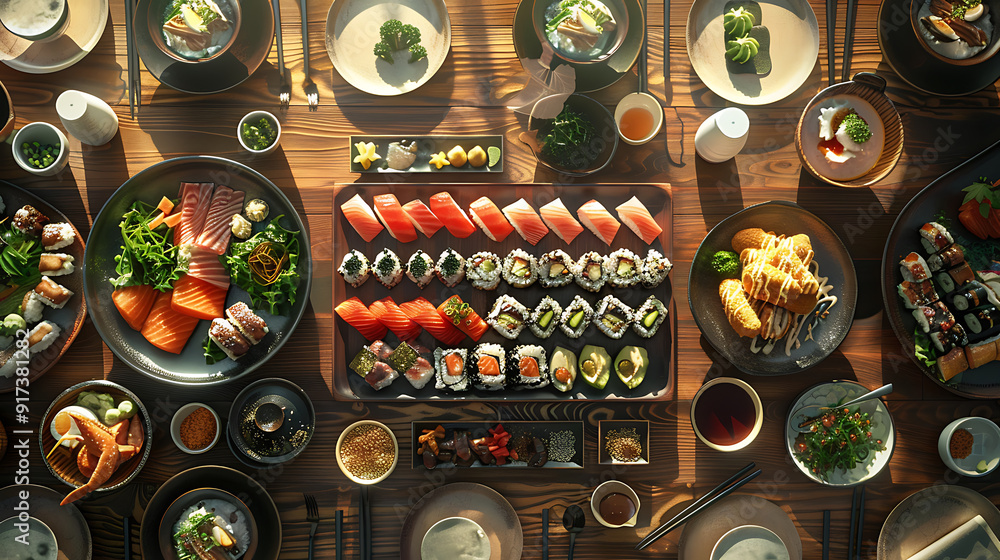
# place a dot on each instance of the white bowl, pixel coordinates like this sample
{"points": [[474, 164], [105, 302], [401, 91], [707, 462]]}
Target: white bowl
{"points": [[985, 445], [254, 117], [340, 462], [612, 487], [179, 417], [643, 101], [43, 133], [750, 542]]}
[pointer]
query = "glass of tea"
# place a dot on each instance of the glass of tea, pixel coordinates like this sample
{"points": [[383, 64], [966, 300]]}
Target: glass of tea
{"points": [[639, 118], [726, 414], [614, 504]]}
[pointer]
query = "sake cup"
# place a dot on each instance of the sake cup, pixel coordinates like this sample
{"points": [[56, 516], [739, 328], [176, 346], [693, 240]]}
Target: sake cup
{"points": [[722, 135], [45, 134]]}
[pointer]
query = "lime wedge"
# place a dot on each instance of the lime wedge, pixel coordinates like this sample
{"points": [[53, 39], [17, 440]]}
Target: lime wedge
{"points": [[494, 155]]}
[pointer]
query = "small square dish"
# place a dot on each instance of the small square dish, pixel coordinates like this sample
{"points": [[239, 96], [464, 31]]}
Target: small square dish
{"points": [[623, 442]]}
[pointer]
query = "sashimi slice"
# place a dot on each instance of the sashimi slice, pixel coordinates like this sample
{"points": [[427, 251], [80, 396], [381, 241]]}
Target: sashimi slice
{"points": [[165, 328], [134, 303], [396, 221], [452, 215], [599, 221], [197, 298], [359, 317], [425, 314], [526, 221], [560, 220], [634, 214], [390, 315], [488, 217], [422, 217], [215, 235], [361, 217], [206, 266], [194, 203]]}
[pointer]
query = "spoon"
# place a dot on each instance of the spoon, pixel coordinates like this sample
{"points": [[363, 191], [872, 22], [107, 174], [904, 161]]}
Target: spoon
{"points": [[809, 413], [269, 416], [573, 521]]}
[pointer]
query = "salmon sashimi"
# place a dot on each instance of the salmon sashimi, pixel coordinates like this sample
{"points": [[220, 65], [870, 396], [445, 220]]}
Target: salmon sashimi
{"points": [[207, 266], [134, 303], [195, 200], [490, 219], [359, 317], [599, 221], [452, 215], [361, 217], [218, 224], [198, 298], [165, 328], [634, 214], [488, 365], [388, 210], [422, 217], [560, 220], [390, 315], [425, 314], [526, 221]]}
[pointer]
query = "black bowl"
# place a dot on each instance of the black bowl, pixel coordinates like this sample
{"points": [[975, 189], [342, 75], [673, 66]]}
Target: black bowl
{"points": [[154, 22], [260, 447], [590, 158], [993, 13], [618, 11], [188, 499]]}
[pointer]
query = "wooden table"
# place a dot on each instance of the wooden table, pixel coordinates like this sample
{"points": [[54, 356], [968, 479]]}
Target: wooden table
{"points": [[468, 96]]}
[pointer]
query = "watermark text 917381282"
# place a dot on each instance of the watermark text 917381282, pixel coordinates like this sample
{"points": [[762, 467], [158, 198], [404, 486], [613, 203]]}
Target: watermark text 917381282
{"points": [[21, 440]]}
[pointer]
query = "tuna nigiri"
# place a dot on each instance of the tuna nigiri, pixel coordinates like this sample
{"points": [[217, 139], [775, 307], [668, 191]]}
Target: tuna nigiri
{"points": [[359, 317], [558, 218], [195, 200], [422, 217], [396, 221], [452, 215], [217, 230], [488, 217], [390, 315], [634, 214], [526, 221], [599, 221], [362, 217], [165, 328], [425, 314]]}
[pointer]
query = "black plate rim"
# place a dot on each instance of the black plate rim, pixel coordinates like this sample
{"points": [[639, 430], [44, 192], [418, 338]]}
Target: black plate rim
{"points": [[175, 505], [241, 399]]}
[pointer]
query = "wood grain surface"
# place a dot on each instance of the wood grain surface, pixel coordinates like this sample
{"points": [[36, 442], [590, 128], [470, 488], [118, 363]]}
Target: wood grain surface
{"points": [[469, 96]]}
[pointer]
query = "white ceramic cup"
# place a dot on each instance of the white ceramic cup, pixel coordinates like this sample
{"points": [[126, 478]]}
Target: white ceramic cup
{"points": [[86, 117], [178, 419], [985, 446], [611, 487], [34, 20], [722, 135], [254, 117], [645, 102], [43, 133]]}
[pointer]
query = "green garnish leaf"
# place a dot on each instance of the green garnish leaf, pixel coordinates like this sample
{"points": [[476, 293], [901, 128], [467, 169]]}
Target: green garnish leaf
{"points": [[260, 135], [450, 264], [982, 191], [148, 257], [353, 264], [922, 348], [385, 266], [278, 296], [567, 140], [212, 351], [418, 266], [857, 128]]}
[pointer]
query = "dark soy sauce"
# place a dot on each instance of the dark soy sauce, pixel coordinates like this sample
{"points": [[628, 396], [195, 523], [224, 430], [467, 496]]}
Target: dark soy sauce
{"points": [[617, 508], [725, 414]]}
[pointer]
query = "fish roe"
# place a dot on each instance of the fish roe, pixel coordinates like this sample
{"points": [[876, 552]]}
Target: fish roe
{"points": [[960, 444], [368, 452]]}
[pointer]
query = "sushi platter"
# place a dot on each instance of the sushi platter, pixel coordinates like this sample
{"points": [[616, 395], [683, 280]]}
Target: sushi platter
{"points": [[418, 154], [547, 445], [597, 324]]}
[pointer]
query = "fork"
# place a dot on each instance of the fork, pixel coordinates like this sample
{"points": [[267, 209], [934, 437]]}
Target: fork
{"points": [[312, 516], [285, 88], [312, 92]]}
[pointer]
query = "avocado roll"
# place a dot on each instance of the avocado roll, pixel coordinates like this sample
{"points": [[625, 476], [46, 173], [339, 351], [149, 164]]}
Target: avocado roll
{"points": [[420, 268], [934, 237], [545, 317], [973, 295], [982, 319], [576, 317], [508, 316], [555, 269], [623, 268], [915, 294], [934, 317], [949, 257], [483, 270], [612, 317], [450, 369], [655, 269], [487, 368], [527, 367], [387, 268], [648, 318], [562, 368], [519, 269], [589, 271], [955, 278], [914, 268], [945, 340], [450, 268]]}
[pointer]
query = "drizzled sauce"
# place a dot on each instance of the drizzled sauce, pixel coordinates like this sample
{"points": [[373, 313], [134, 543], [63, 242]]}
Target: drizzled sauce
{"points": [[617, 508]]}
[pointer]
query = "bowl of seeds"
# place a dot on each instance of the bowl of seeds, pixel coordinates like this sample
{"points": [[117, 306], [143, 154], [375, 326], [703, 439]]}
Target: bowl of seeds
{"points": [[40, 149], [623, 442], [367, 452]]}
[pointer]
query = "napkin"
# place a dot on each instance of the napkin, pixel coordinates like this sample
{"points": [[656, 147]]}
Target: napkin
{"points": [[973, 540]]}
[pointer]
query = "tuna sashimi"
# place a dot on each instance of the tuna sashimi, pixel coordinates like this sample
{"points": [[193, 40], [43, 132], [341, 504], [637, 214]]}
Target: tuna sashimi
{"points": [[362, 217], [134, 302], [599, 221], [452, 215], [422, 217], [526, 221], [215, 235], [634, 214], [425, 314], [207, 266], [165, 328], [488, 217], [359, 317], [198, 298], [558, 218], [195, 200], [390, 315], [388, 210]]}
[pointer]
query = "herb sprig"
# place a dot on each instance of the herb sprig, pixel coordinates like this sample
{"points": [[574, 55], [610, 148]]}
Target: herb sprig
{"points": [[148, 256]]}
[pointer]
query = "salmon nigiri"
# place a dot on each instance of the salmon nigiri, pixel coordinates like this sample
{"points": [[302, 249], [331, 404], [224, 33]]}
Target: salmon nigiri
{"points": [[359, 317], [558, 218], [490, 219], [362, 217], [638, 219], [599, 221], [526, 221], [388, 210], [422, 218], [454, 218]]}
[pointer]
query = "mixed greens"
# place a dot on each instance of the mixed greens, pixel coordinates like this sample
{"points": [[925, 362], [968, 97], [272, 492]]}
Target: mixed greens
{"points": [[19, 258], [841, 439], [567, 140], [149, 256], [266, 267], [597, 13]]}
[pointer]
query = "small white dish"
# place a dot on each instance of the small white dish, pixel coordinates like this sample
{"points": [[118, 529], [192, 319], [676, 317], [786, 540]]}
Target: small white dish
{"points": [[455, 537], [985, 446], [253, 118], [179, 417], [750, 542], [340, 460], [612, 487], [644, 102], [43, 133]]}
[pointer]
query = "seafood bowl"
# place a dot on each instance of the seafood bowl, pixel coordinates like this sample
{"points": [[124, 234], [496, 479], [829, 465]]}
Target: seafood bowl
{"points": [[155, 23], [606, 42], [237, 516], [62, 463], [920, 13]]}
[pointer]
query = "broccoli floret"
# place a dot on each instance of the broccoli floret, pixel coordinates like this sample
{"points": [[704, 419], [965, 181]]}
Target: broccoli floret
{"points": [[409, 36], [417, 52], [726, 263], [384, 52], [399, 37], [390, 31]]}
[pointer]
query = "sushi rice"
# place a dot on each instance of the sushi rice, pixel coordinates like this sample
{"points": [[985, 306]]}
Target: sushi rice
{"points": [[612, 317], [387, 268], [483, 270], [42, 336], [520, 269], [422, 370], [555, 269], [487, 382], [32, 307], [355, 268], [420, 269], [645, 323], [443, 379], [655, 269], [622, 268], [578, 311], [508, 316], [514, 367], [548, 311], [589, 271], [450, 268]]}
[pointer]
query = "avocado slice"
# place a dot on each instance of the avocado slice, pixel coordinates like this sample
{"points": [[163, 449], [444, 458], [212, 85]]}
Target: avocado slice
{"points": [[595, 366], [546, 318], [563, 358], [631, 364]]}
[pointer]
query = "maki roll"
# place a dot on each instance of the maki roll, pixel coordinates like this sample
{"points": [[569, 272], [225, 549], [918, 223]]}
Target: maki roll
{"points": [[934, 317], [915, 294], [363, 361], [945, 340], [914, 268], [955, 278], [934, 237], [612, 317], [589, 271], [487, 368], [355, 268], [555, 269], [623, 268], [952, 364], [562, 368], [450, 366], [42, 336], [982, 352], [450, 268], [420, 269], [949, 257], [381, 376], [463, 316], [483, 270], [388, 270], [576, 317], [519, 269], [402, 358], [982, 319], [422, 370], [545, 317], [508, 316], [973, 295], [655, 269], [527, 367], [648, 318]]}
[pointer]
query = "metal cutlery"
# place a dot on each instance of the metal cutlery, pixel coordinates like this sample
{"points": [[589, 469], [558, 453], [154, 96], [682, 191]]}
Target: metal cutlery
{"points": [[805, 416], [312, 516], [312, 92], [284, 88]]}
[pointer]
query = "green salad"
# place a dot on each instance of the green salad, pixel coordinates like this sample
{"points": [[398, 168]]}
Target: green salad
{"points": [[149, 256], [266, 267]]}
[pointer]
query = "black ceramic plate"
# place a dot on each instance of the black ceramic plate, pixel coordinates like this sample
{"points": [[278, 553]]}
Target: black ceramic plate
{"points": [[589, 77], [248, 490], [943, 194], [68, 524], [787, 218], [543, 430], [229, 69], [163, 179], [282, 444], [909, 59], [426, 147], [192, 498]]}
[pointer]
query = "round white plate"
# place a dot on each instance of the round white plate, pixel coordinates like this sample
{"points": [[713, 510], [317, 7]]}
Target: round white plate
{"points": [[87, 19]]}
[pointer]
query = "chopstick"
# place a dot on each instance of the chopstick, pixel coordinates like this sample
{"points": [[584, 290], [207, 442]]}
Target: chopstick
{"points": [[643, 52], [831, 29], [854, 523], [545, 534], [130, 50], [713, 496], [340, 528], [366, 525], [852, 8], [826, 534], [127, 528], [861, 525]]}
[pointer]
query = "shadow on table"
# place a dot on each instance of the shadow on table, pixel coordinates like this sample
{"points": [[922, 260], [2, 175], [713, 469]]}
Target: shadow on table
{"points": [[104, 170], [718, 189]]}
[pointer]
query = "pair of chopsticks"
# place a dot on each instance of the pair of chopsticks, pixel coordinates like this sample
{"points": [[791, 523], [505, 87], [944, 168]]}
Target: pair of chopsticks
{"points": [[545, 534], [366, 524], [340, 532], [132, 61], [731, 484], [857, 524], [831, 51]]}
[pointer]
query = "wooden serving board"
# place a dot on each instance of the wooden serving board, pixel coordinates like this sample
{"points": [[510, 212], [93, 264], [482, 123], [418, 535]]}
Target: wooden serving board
{"points": [[540, 429], [660, 377]]}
